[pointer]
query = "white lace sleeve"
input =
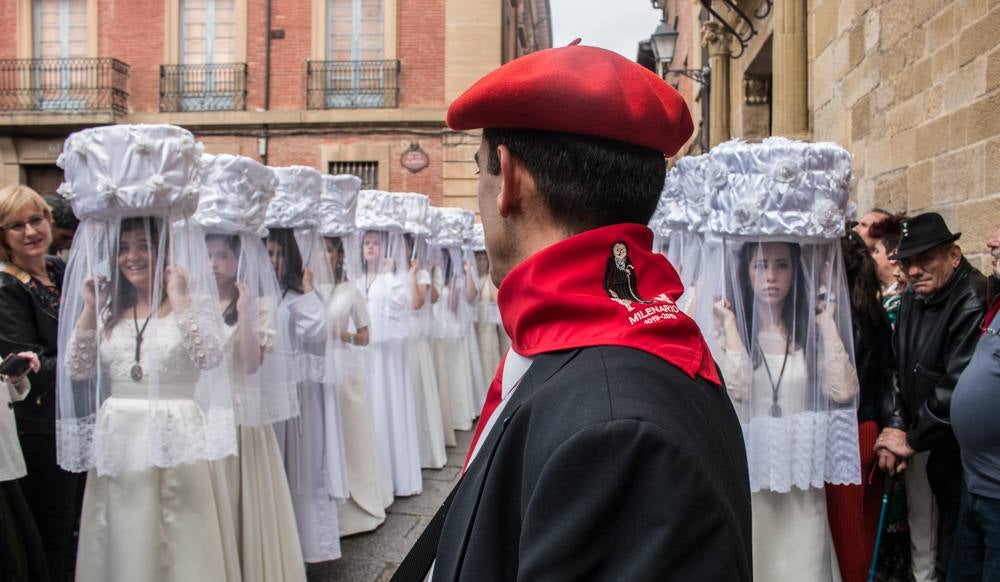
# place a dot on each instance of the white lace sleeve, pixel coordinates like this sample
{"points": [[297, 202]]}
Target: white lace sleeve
{"points": [[839, 378], [734, 366], [81, 354], [201, 337]]}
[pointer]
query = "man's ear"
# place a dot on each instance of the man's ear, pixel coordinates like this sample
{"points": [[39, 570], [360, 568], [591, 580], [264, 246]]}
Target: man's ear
{"points": [[955, 255], [509, 196]]}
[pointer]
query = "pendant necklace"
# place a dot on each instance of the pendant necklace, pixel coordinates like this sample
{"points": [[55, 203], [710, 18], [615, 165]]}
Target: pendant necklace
{"points": [[136, 371], [775, 410]]}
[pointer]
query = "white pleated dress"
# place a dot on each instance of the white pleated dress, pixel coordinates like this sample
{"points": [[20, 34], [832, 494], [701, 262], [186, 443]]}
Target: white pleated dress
{"points": [[488, 330], [313, 480], [430, 427], [368, 481], [393, 397], [158, 524], [453, 361], [265, 516]]}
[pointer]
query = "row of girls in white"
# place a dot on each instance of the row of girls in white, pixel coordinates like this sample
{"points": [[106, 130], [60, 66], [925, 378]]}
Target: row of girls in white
{"points": [[236, 377]]}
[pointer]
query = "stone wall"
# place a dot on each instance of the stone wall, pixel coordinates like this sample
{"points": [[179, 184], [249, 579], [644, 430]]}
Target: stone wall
{"points": [[912, 89]]}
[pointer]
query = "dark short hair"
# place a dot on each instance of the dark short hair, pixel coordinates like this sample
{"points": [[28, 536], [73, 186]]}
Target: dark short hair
{"points": [[586, 182], [62, 212]]}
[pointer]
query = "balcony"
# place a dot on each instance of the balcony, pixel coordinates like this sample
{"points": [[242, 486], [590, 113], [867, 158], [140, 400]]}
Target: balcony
{"points": [[352, 84], [77, 86], [212, 87]]}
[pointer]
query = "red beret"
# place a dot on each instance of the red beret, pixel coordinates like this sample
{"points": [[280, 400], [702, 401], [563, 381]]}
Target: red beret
{"points": [[578, 89]]}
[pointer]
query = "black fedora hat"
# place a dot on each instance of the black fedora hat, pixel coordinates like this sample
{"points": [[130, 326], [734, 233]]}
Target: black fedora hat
{"points": [[922, 232]]}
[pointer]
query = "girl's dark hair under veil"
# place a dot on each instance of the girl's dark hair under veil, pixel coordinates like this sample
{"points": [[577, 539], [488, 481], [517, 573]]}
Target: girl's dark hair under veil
{"points": [[290, 279]]}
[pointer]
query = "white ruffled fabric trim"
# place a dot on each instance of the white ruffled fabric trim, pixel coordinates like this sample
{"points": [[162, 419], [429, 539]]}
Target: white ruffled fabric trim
{"points": [[805, 450]]}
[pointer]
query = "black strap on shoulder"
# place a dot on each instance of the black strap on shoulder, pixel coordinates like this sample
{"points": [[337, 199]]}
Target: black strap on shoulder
{"points": [[418, 561]]}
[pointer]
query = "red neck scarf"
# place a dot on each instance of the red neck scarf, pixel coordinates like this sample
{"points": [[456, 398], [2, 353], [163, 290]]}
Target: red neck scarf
{"points": [[604, 287]]}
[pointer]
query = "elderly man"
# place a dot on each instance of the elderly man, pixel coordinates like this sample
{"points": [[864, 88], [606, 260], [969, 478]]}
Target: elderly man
{"points": [[936, 335], [976, 555], [607, 448]]}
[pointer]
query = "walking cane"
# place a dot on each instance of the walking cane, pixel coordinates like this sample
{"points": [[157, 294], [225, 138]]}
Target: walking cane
{"points": [[886, 490]]}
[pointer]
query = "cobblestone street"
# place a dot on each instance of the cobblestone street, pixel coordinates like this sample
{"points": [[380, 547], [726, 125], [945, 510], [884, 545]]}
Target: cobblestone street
{"points": [[373, 557]]}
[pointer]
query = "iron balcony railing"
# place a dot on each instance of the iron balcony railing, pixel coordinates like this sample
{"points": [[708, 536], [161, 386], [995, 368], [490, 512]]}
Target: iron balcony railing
{"points": [[76, 85], [211, 87], [352, 84]]}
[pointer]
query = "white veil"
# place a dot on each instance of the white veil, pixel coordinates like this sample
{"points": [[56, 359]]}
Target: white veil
{"points": [[126, 404], [260, 361], [777, 314], [380, 218]]}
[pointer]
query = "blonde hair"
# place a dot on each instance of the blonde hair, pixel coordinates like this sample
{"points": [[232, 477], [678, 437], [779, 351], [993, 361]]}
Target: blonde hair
{"points": [[14, 199]]}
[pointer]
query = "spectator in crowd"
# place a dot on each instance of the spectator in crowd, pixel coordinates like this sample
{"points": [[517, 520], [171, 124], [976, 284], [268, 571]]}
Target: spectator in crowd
{"points": [[30, 288], [874, 216], [64, 224], [976, 555], [886, 234], [936, 335], [854, 509]]}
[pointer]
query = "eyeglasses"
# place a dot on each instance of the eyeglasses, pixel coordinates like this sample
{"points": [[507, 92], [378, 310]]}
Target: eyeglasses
{"points": [[35, 222]]}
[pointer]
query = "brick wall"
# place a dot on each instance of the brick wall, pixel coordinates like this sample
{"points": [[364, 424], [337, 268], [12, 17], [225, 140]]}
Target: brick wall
{"points": [[420, 48], [912, 89], [133, 32], [8, 29]]}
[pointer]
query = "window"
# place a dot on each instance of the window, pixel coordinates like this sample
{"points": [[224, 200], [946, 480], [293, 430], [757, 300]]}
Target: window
{"points": [[59, 35], [207, 78], [367, 171], [355, 42]]}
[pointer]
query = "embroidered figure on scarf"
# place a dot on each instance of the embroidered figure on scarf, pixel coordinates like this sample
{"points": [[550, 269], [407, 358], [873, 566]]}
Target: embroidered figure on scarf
{"points": [[620, 277]]}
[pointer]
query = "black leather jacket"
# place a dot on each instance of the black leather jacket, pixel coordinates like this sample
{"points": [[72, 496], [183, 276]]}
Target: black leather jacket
{"points": [[935, 339], [26, 321]]}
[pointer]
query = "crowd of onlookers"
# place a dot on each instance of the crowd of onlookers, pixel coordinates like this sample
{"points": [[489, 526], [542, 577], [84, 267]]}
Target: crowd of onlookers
{"points": [[930, 384]]}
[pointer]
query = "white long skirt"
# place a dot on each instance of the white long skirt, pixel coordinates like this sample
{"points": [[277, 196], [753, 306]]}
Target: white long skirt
{"points": [[157, 525], [302, 441], [430, 427], [395, 413], [453, 369], [269, 539], [476, 370], [791, 537], [369, 483], [489, 350]]}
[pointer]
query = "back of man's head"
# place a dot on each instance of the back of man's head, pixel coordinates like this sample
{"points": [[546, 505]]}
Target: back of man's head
{"points": [[584, 182]]}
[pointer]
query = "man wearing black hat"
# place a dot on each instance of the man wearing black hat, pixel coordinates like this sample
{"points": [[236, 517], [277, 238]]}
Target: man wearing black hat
{"points": [[935, 338]]}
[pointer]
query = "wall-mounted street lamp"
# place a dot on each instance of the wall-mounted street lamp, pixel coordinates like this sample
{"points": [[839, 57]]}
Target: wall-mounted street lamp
{"points": [[663, 41]]}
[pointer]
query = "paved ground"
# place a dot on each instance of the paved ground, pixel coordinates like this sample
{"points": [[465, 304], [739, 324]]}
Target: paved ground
{"points": [[373, 557]]}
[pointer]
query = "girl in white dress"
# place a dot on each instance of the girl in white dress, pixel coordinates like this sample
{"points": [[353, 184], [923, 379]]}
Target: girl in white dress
{"points": [[430, 426], [235, 193], [451, 348], [143, 404], [782, 342], [489, 328], [393, 397], [347, 314], [312, 443]]}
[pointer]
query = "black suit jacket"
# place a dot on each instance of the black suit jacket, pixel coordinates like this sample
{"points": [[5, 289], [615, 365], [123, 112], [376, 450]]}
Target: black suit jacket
{"points": [[608, 463]]}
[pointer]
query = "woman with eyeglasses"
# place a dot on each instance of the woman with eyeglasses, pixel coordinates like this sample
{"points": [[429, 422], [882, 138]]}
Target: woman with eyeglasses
{"points": [[30, 286]]}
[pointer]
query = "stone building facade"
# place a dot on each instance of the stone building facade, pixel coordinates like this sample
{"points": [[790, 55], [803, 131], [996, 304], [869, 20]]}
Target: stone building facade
{"points": [[910, 87], [360, 86]]}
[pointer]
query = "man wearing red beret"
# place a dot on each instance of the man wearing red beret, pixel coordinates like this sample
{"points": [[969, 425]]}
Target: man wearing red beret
{"points": [[607, 448]]}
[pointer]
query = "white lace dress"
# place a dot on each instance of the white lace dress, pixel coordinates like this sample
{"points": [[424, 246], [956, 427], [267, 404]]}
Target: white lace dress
{"points": [[488, 330], [368, 481], [453, 360], [158, 525], [787, 459]]}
